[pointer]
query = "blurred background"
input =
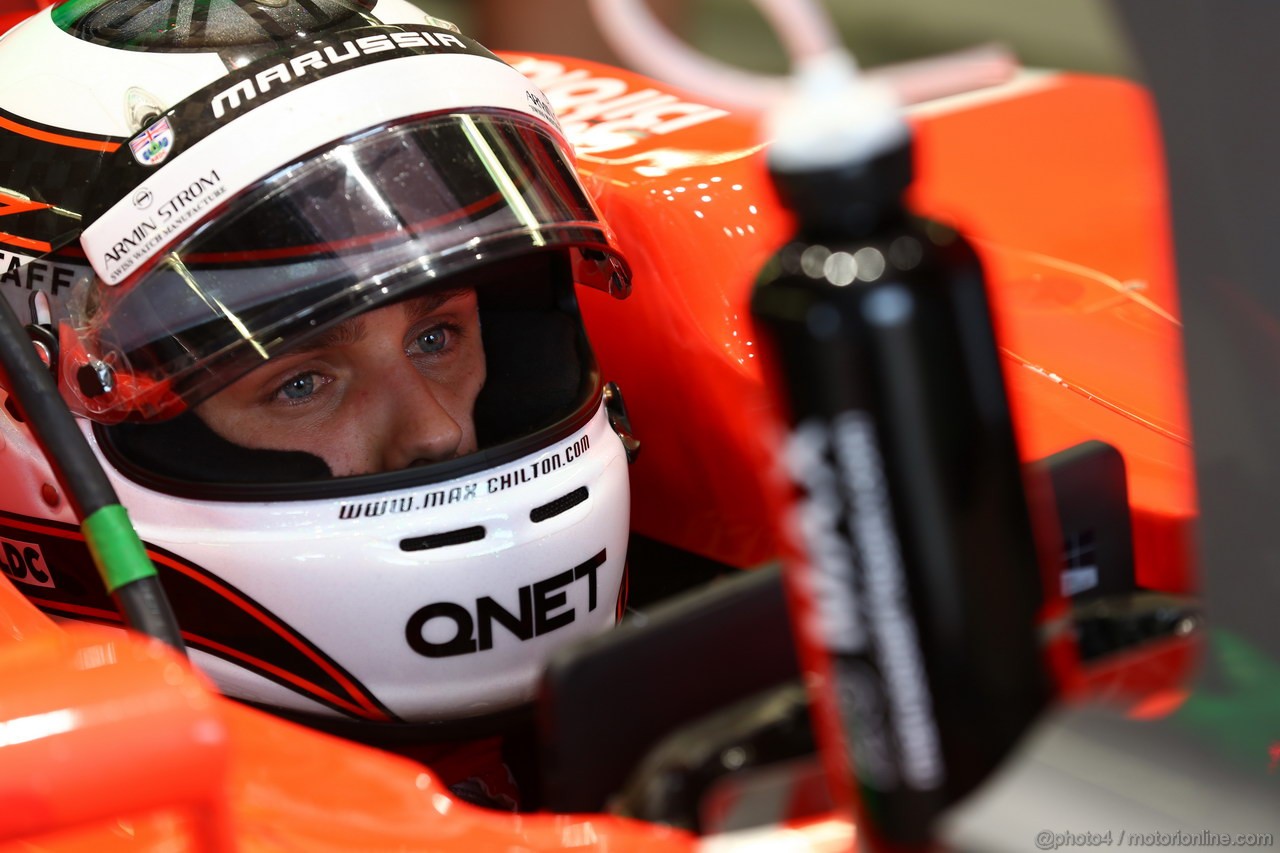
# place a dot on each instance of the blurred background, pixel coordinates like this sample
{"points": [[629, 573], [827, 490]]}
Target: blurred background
{"points": [[1078, 35]]}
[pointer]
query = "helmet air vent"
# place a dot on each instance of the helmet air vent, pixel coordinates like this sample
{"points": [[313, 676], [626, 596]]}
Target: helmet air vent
{"points": [[559, 505], [443, 540]]}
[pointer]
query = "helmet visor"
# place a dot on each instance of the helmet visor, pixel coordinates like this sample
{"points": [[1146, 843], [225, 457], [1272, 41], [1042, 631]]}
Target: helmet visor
{"points": [[365, 222]]}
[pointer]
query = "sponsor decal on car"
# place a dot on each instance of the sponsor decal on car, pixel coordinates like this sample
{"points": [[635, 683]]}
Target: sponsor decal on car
{"points": [[24, 562], [600, 113]]}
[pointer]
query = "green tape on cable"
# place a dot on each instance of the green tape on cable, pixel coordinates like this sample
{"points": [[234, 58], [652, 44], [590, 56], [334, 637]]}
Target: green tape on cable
{"points": [[117, 551]]}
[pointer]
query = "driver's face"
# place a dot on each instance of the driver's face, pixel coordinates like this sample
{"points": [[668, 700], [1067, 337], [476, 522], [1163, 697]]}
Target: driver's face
{"points": [[391, 388]]}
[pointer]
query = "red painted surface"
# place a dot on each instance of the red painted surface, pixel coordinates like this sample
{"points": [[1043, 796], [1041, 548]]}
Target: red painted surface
{"points": [[1062, 190]]}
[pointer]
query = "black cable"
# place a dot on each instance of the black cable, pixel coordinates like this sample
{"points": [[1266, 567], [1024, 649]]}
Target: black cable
{"points": [[136, 590]]}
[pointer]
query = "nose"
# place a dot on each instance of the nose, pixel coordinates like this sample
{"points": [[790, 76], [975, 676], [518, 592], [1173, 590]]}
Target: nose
{"points": [[420, 428]]}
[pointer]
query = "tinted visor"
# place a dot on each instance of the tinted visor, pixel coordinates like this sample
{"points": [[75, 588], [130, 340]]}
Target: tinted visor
{"points": [[496, 358], [366, 222]]}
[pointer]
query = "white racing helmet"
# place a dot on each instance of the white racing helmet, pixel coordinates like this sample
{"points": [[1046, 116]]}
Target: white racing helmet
{"points": [[204, 191]]}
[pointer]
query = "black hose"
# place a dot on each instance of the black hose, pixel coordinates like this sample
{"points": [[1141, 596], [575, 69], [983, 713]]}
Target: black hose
{"points": [[135, 587]]}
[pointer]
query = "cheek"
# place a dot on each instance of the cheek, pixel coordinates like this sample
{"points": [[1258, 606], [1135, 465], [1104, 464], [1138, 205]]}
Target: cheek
{"points": [[464, 388], [474, 379], [345, 445], [460, 400], [234, 422]]}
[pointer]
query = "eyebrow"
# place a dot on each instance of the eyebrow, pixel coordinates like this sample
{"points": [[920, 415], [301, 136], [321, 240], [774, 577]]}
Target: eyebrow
{"points": [[344, 334], [420, 306], [353, 330]]}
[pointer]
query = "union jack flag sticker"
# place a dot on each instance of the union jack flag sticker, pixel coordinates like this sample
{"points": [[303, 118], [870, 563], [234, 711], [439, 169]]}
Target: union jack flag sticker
{"points": [[152, 146]]}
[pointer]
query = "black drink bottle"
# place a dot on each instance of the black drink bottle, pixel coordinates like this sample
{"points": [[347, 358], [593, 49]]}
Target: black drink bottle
{"points": [[918, 562]]}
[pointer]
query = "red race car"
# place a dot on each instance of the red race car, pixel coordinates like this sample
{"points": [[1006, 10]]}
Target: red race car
{"points": [[687, 722]]}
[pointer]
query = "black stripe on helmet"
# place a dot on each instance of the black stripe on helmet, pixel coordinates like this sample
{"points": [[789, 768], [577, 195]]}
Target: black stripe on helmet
{"points": [[260, 82]]}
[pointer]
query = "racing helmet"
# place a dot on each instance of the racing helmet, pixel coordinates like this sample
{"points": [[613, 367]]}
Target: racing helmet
{"points": [[197, 193]]}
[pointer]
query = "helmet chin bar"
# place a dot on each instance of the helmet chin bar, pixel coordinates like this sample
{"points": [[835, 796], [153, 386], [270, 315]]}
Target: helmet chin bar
{"points": [[458, 628]]}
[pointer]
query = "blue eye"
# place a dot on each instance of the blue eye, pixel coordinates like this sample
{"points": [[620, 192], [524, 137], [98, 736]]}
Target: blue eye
{"points": [[433, 340], [299, 387]]}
